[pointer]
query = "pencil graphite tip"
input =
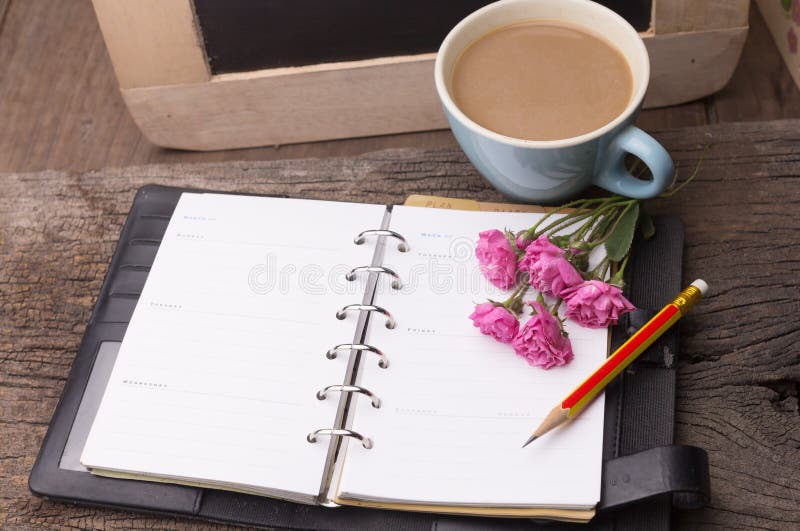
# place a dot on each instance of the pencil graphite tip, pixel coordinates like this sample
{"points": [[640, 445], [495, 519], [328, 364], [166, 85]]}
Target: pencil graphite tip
{"points": [[533, 438]]}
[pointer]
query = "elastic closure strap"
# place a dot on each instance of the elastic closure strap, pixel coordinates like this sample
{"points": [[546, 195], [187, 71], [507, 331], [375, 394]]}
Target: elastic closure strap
{"points": [[677, 469], [662, 353]]}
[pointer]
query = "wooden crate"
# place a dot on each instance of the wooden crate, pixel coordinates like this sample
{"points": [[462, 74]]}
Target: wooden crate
{"points": [[176, 98]]}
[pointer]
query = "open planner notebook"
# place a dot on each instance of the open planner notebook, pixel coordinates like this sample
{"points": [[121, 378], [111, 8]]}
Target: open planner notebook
{"points": [[270, 353]]}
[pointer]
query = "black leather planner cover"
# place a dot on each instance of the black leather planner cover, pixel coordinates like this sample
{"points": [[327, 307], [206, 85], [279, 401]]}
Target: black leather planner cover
{"points": [[644, 475]]}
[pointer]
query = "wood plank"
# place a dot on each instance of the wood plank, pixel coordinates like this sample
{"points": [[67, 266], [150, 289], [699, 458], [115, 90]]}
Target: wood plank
{"points": [[3, 8], [739, 369], [152, 42], [675, 16], [289, 105], [376, 96], [686, 115], [39, 105], [761, 87], [707, 58]]}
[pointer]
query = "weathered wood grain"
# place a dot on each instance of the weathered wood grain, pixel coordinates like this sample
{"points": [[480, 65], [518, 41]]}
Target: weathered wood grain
{"points": [[170, 53], [740, 371], [680, 16], [3, 7], [66, 113]]}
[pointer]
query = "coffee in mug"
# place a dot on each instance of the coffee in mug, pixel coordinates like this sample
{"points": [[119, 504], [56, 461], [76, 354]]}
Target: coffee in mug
{"points": [[542, 96], [542, 80]]}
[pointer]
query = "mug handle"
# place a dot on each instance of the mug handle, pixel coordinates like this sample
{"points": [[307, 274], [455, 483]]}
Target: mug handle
{"points": [[614, 177]]}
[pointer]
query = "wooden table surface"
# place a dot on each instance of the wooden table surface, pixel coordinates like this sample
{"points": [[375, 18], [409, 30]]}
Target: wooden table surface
{"points": [[739, 370], [739, 375]]}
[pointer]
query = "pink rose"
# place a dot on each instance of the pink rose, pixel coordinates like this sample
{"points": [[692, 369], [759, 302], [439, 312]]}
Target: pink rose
{"points": [[552, 276], [534, 250], [541, 341], [595, 304], [549, 272], [495, 321], [497, 260]]}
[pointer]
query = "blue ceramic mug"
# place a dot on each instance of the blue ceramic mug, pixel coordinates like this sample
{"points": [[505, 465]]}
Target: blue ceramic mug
{"points": [[552, 170]]}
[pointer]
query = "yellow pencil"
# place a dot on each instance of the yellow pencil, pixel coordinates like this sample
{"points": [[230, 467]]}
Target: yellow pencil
{"points": [[624, 356]]}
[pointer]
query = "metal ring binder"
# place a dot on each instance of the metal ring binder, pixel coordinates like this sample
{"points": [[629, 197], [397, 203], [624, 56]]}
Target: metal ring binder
{"points": [[322, 394], [390, 322], [383, 363], [365, 441], [348, 389], [396, 284], [402, 246]]}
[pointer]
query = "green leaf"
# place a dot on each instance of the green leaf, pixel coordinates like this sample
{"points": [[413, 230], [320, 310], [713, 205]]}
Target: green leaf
{"points": [[646, 227], [619, 243], [602, 226]]}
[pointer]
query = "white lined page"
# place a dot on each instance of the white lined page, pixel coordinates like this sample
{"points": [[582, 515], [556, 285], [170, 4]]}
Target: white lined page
{"points": [[216, 377], [457, 405]]}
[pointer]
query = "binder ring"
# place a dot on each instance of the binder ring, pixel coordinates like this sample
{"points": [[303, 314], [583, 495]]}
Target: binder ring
{"points": [[322, 394], [342, 314], [366, 442], [396, 284], [402, 246], [383, 363]]}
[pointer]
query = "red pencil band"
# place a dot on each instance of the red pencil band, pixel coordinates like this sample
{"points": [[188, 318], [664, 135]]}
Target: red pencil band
{"points": [[578, 399]]}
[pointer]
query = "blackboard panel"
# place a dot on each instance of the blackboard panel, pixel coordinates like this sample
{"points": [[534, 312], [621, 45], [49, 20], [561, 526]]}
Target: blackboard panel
{"points": [[637, 12], [245, 35]]}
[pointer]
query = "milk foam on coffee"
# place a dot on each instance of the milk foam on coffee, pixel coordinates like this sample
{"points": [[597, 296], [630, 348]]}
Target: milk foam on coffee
{"points": [[542, 80]]}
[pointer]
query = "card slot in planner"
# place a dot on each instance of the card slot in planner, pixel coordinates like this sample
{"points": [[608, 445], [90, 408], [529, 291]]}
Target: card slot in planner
{"points": [[128, 282], [115, 309]]}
